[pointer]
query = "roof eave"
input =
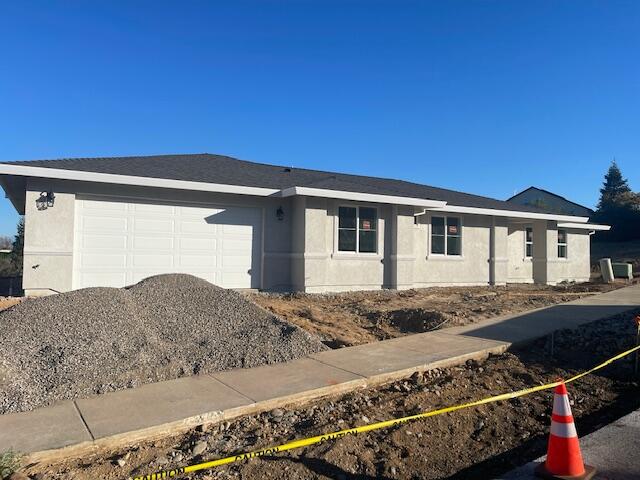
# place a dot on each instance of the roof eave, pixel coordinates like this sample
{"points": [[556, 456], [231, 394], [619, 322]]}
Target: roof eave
{"points": [[585, 226], [361, 197], [43, 172], [510, 213]]}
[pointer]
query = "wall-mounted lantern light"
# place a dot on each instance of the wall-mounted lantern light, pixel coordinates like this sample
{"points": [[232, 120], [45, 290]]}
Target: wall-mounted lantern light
{"points": [[46, 200], [280, 214]]}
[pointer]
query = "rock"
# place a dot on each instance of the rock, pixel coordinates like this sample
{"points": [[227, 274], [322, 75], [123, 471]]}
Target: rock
{"points": [[199, 448], [161, 461], [393, 471], [277, 413], [121, 462]]}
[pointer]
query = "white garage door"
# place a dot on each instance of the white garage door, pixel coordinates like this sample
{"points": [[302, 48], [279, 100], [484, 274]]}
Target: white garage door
{"points": [[119, 243]]}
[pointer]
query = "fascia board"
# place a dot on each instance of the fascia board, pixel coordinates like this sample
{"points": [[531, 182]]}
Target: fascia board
{"points": [[360, 197], [43, 172], [510, 213], [584, 226]]}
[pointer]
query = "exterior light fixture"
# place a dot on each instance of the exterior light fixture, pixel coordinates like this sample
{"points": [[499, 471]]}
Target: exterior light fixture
{"points": [[46, 200], [280, 214]]}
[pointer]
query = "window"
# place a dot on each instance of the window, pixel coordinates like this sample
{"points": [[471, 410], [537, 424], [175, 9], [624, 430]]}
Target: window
{"points": [[446, 236], [562, 244], [528, 242], [357, 229], [367, 230]]}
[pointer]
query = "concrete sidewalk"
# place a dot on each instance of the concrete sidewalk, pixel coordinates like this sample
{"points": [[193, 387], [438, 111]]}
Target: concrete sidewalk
{"points": [[526, 326], [154, 410], [613, 450]]}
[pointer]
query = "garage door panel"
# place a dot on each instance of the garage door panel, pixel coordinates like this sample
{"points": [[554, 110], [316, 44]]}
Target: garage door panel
{"points": [[104, 260], [198, 261], [153, 209], [157, 243], [141, 225], [196, 243], [104, 279], [101, 242], [102, 223], [157, 261], [103, 207], [197, 227], [119, 243]]}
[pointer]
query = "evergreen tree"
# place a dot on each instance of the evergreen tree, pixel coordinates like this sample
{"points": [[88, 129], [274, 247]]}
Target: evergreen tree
{"points": [[614, 187], [18, 248], [618, 207]]}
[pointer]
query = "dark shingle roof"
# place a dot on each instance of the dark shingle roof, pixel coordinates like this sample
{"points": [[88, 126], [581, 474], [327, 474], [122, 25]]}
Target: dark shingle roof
{"points": [[586, 210], [221, 169]]}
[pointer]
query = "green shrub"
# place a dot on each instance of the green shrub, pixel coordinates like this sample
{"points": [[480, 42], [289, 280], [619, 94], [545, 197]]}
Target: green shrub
{"points": [[9, 463]]}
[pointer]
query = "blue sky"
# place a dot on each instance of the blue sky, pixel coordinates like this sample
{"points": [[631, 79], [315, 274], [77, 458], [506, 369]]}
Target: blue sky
{"points": [[487, 97]]}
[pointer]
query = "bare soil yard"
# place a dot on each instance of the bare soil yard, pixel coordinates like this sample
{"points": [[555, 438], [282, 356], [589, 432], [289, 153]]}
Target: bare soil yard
{"points": [[474, 443], [6, 302], [355, 318]]}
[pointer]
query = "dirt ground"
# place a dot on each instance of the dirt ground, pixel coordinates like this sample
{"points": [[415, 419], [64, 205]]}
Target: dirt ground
{"points": [[354, 318], [469, 444], [6, 302]]}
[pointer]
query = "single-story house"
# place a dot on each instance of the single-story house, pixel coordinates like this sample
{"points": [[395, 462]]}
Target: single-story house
{"points": [[550, 202], [239, 224]]}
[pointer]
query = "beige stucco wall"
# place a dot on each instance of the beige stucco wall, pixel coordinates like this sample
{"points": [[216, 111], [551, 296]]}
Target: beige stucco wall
{"points": [[327, 269], [300, 251], [520, 268], [577, 266], [48, 240], [471, 268]]}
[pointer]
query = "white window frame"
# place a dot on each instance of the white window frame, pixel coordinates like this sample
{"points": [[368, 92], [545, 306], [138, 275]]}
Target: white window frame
{"points": [[445, 254], [565, 244], [337, 250], [528, 243]]}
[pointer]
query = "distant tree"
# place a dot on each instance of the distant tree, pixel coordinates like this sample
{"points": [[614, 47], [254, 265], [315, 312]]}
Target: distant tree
{"points": [[5, 242], [618, 207], [614, 186], [18, 248]]}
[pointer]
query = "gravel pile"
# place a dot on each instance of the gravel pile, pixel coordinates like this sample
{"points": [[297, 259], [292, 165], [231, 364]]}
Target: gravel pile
{"points": [[102, 339]]}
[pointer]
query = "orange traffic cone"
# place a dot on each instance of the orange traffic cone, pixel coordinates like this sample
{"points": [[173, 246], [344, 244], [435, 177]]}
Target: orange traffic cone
{"points": [[564, 459]]}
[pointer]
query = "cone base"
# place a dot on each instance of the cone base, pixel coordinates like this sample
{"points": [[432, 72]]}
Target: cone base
{"points": [[542, 472]]}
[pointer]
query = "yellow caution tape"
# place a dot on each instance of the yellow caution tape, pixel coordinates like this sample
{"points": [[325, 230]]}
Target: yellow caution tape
{"points": [[305, 442]]}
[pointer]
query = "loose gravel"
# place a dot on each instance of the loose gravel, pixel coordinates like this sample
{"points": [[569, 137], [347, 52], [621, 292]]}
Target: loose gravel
{"points": [[97, 340]]}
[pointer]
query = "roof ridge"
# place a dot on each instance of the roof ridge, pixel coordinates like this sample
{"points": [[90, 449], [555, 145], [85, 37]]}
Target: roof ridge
{"points": [[550, 193]]}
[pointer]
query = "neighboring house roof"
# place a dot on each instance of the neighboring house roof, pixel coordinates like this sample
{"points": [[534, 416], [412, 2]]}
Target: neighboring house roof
{"points": [[220, 169], [549, 201]]}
